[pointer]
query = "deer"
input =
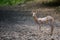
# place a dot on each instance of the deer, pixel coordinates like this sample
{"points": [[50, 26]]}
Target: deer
{"points": [[43, 20]]}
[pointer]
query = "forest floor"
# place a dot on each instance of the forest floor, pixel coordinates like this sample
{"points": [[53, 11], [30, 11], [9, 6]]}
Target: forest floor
{"points": [[20, 25]]}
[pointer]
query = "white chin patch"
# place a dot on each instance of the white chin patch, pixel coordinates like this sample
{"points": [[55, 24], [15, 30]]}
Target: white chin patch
{"points": [[33, 14]]}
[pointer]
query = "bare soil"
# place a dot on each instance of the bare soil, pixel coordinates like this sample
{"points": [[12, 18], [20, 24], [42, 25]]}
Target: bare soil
{"points": [[20, 25]]}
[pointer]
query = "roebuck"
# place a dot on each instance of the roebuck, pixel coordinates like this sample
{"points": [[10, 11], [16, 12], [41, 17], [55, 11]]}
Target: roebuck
{"points": [[44, 20]]}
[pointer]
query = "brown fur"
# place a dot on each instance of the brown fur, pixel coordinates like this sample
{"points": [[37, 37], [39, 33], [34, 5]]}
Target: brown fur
{"points": [[46, 21]]}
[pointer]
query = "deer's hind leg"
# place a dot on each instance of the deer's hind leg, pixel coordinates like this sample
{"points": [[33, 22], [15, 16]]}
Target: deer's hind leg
{"points": [[52, 28]]}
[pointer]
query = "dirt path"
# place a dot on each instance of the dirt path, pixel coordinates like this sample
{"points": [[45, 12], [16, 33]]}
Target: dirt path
{"points": [[19, 25]]}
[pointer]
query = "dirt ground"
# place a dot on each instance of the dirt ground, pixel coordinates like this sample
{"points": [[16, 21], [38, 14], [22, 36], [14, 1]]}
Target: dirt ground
{"points": [[20, 25]]}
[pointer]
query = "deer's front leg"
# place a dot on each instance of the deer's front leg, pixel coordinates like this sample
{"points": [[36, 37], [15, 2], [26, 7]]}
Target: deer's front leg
{"points": [[40, 28], [40, 25]]}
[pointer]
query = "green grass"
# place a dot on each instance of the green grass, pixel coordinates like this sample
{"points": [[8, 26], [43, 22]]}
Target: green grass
{"points": [[12, 2], [15, 2]]}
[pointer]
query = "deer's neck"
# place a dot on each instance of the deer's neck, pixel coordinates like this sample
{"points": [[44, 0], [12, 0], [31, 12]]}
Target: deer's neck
{"points": [[35, 18]]}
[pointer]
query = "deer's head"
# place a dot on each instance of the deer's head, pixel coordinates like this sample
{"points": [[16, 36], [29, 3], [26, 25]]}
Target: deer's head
{"points": [[34, 13]]}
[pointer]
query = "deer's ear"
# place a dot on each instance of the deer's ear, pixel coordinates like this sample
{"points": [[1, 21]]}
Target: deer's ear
{"points": [[33, 11]]}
